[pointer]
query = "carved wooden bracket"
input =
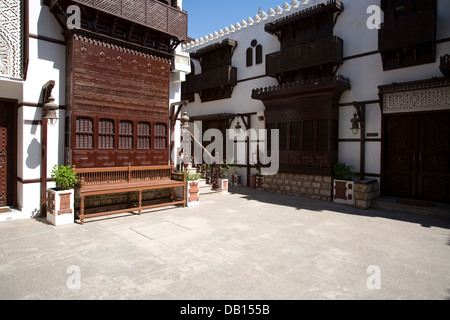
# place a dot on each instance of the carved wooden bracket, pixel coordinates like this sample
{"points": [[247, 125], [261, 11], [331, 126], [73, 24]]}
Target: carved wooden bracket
{"points": [[47, 91]]}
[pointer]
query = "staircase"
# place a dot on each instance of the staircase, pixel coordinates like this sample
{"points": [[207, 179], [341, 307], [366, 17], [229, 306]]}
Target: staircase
{"points": [[203, 186]]}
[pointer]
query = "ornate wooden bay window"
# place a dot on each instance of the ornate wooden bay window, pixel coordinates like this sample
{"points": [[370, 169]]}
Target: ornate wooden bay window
{"points": [[307, 117], [304, 106], [118, 80], [408, 35], [218, 77]]}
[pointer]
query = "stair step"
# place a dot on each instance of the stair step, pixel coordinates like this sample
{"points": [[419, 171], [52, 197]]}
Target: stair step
{"points": [[391, 204]]}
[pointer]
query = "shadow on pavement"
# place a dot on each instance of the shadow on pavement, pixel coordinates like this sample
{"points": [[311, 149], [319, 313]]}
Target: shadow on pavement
{"points": [[319, 206]]}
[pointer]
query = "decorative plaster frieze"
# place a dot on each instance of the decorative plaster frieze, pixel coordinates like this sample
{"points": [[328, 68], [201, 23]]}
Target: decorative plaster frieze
{"points": [[431, 99], [11, 38]]}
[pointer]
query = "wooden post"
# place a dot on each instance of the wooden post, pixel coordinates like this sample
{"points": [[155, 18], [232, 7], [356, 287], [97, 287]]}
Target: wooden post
{"points": [[82, 210], [44, 166], [361, 110], [140, 202]]}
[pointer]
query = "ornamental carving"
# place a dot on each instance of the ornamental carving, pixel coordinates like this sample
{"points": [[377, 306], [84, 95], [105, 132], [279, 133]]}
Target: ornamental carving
{"points": [[11, 38], [431, 99]]}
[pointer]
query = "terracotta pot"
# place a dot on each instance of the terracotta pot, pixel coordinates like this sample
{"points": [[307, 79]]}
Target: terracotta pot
{"points": [[252, 181]]}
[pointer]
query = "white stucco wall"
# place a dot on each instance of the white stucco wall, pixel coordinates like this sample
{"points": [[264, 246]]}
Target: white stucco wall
{"points": [[46, 62]]}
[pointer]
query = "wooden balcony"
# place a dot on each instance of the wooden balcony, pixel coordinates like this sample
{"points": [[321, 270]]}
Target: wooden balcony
{"points": [[222, 78], [410, 30], [328, 51], [153, 14]]}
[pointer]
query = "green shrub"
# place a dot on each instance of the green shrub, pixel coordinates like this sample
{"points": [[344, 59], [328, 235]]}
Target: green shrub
{"points": [[192, 176], [342, 171], [64, 177]]}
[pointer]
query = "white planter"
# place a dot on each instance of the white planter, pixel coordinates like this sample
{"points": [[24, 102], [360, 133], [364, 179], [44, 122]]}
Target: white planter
{"points": [[223, 185], [343, 192], [60, 207], [193, 193]]}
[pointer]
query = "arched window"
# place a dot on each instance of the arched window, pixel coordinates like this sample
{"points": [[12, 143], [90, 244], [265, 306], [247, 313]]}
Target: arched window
{"points": [[249, 57], [160, 136], [125, 134], [259, 54], [144, 135], [106, 134], [84, 135]]}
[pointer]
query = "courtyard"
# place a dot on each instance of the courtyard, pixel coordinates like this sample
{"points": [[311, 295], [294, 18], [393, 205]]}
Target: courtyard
{"points": [[245, 245]]}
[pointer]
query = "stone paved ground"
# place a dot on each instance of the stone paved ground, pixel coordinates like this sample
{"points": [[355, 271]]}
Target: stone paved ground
{"points": [[245, 245]]}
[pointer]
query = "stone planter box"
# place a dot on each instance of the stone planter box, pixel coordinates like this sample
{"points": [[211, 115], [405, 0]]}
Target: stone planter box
{"points": [[60, 207], [236, 180], [343, 192], [259, 182], [365, 191]]}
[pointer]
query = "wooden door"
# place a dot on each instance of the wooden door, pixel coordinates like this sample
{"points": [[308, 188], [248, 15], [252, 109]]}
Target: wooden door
{"points": [[5, 155], [434, 157], [417, 156], [400, 173]]}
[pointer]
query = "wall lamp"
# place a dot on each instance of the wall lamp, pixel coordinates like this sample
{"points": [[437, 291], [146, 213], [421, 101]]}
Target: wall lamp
{"points": [[359, 118], [355, 124], [50, 108]]}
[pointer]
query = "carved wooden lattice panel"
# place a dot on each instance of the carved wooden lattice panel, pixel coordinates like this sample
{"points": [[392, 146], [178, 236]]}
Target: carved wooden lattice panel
{"points": [[3, 163]]}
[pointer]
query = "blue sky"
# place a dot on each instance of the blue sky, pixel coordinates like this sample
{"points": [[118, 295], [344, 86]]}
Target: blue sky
{"points": [[207, 16]]}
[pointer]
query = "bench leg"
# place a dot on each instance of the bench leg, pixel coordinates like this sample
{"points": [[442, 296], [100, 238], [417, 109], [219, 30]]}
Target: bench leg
{"points": [[185, 196], [82, 210], [140, 202], [172, 197]]}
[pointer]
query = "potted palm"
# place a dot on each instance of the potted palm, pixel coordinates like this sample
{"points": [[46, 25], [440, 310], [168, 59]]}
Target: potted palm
{"points": [[60, 200], [343, 184]]}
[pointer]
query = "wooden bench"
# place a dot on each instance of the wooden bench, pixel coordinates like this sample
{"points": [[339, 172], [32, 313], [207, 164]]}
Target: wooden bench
{"points": [[102, 181]]}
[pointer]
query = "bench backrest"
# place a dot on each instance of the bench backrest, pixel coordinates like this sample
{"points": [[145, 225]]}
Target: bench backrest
{"points": [[120, 175]]}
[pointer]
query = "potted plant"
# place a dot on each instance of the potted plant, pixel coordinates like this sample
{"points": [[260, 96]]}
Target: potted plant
{"points": [[60, 200], [343, 184], [192, 189], [223, 181], [259, 177]]}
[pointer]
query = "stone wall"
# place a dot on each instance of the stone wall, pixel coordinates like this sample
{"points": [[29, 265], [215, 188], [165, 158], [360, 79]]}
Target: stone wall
{"points": [[365, 191], [309, 186]]}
